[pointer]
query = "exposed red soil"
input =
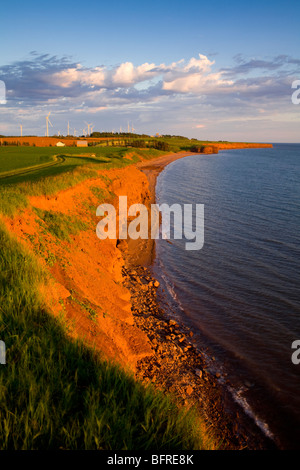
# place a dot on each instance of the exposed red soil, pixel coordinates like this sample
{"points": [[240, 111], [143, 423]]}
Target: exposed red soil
{"points": [[87, 269], [240, 145]]}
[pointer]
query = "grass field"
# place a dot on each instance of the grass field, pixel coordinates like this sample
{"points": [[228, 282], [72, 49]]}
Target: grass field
{"points": [[12, 158], [30, 164], [21, 164], [21, 175]]}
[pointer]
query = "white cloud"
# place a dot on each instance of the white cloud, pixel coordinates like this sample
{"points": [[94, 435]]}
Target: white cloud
{"points": [[127, 75], [179, 77], [124, 75], [195, 77], [192, 94]]}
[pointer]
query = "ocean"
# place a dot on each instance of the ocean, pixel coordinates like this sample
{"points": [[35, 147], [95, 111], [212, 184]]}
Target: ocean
{"points": [[240, 292]]}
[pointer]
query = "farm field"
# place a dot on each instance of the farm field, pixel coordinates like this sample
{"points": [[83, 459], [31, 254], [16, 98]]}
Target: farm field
{"points": [[12, 158], [34, 171], [29, 164], [20, 163]]}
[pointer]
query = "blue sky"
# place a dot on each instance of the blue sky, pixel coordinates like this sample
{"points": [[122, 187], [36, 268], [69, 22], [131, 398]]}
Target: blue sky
{"points": [[211, 70]]}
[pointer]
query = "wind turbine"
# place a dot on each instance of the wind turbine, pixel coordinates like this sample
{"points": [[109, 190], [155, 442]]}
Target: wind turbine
{"points": [[47, 123], [21, 129], [68, 128], [74, 132], [89, 132]]}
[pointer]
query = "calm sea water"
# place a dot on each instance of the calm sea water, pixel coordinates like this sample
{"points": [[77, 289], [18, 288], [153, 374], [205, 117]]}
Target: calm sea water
{"points": [[240, 292]]}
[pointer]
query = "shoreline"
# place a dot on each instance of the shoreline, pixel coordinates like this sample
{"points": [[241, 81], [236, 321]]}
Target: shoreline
{"points": [[142, 252], [179, 365], [109, 297]]}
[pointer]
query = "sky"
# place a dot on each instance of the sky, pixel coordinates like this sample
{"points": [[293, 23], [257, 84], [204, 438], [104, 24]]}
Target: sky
{"points": [[217, 70]]}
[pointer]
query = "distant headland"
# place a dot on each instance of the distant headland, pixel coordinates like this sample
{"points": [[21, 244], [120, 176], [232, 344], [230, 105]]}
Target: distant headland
{"points": [[172, 143]]}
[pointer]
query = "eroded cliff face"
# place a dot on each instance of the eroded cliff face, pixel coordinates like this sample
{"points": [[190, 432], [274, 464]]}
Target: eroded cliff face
{"points": [[241, 145], [86, 286], [210, 149]]}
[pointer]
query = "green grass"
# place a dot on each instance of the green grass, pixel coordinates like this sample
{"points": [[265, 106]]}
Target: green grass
{"points": [[32, 161], [56, 393], [14, 197], [17, 158], [12, 158], [60, 225], [77, 165]]}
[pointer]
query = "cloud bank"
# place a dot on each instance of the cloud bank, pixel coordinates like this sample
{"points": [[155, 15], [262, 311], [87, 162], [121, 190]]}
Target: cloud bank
{"points": [[190, 93]]}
